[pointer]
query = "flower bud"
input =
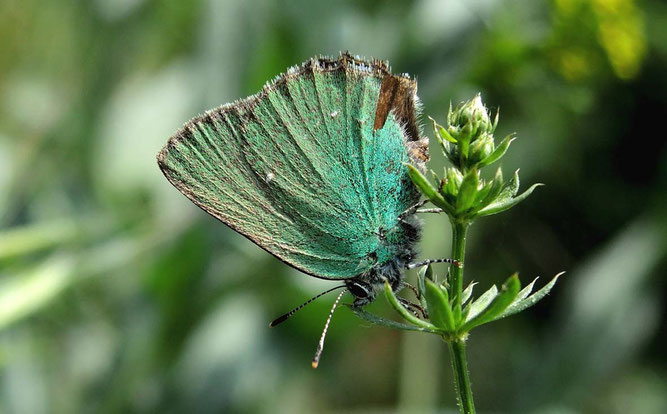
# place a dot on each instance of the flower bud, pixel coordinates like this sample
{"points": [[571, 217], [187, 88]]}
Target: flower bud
{"points": [[481, 148], [467, 139], [468, 143], [470, 119]]}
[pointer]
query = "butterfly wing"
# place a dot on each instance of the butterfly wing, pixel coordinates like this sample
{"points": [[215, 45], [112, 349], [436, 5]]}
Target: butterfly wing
{"points": [[310, 167]]}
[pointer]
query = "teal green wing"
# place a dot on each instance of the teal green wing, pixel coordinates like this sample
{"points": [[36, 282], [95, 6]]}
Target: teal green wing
{"points": [[311, 167]]}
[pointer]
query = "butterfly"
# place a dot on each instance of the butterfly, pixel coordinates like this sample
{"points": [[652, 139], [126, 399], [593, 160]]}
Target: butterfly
{"points": [[312, 170]]}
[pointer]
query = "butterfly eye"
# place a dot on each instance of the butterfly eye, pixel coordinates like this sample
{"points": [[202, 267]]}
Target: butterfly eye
{"points": [[358, 289]]}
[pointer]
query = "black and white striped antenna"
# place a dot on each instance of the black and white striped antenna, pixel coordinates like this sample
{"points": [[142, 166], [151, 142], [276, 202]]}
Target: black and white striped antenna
{"points": [[286, 316], [320, 345]]}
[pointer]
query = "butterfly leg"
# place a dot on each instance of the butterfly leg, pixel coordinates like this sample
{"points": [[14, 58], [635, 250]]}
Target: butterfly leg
{"points": [[413, 289], [413, 307], [411, 210], [429, 261], [430, 210], [418, 296]]}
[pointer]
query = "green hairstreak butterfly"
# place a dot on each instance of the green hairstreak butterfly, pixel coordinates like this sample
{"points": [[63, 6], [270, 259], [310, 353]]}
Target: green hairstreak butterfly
{"points": [[311, 169]]}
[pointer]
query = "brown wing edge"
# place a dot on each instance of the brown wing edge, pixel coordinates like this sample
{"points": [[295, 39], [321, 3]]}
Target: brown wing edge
{"points": [[398, 93]]}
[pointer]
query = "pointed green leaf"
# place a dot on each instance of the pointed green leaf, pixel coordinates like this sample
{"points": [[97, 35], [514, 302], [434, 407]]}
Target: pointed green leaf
{"points": [[497, 153], [482, 302], [427, 189], [467, 191], [467, 293], [445, 135], [421, 286], [451, 183], [495, 186], [510, 188], [525, 291], [441, 133], [429, 273], [446, 141], [500, 206], [437, 135], [389, 293], [518, 306], [378, 320], [495, 120], [464, 144], [507, 293], [482, 191], [434, 176], [421, 275], [439, 311]]}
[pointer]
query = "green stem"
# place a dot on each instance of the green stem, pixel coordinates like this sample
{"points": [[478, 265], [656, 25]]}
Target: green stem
{"points": [[460, 231], [457, 350]]}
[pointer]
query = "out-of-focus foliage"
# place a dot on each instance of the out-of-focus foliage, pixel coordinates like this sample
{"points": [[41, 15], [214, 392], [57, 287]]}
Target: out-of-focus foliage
{"points": [[117, 294]]}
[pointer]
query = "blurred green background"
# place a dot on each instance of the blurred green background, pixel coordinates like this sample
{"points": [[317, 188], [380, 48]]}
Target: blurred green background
{"points": [[119, 295]]}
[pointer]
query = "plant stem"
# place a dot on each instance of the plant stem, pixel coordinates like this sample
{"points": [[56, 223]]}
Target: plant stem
{"points": [[457, 351], [460, 231], [457, 348]]}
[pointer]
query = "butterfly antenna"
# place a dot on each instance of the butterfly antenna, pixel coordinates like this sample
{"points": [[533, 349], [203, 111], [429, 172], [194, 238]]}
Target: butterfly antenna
{"points": [[286, 316], [320, 345], [428, 262]]}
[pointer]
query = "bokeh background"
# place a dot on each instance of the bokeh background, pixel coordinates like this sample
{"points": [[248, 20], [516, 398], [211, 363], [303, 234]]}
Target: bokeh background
{"points": [[119, 295]]}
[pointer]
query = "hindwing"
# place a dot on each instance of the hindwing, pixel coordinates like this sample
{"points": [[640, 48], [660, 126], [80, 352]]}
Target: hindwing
{"points": [[311, 167]]}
